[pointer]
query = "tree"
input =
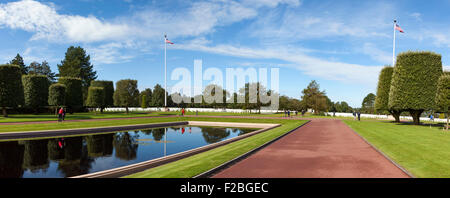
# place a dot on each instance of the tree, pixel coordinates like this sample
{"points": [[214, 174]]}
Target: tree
{"points": [[108, 88], [443, 96], [18, 60], [368, 104], [343, 107], [96, 97], [42, 69], [313, 98], [126, 94], [74, 95], [77, 64], [11, 88], [57, 95], [35, 89], [414, 82], [145, 98], [382, 98], [158, 96]]}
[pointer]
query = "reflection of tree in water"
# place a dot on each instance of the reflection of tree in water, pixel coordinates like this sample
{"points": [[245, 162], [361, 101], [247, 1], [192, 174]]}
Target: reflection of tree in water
{"points": [[100, 145], [213, 135], [158, 134], [54, 151], [76, 160], [11, 159], [147, 131], [125, 145], [35, 155], [241, 131]]}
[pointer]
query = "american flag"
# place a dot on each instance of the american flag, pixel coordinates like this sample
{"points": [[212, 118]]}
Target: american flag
{"points": [[167, 40], [397, 27]]}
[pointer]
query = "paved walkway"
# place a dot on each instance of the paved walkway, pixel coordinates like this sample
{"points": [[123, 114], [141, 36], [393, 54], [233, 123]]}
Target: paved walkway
{"points": [[323, 148]]}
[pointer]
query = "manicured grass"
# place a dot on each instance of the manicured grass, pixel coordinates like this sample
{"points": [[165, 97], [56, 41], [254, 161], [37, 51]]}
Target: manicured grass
{"points": [[422, 150], [202, 162], [75, 116], [120, 122]]}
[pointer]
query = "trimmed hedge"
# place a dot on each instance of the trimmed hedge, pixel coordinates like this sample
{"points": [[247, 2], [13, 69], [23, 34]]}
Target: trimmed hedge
{"points": [[384, 85], [414, 82], [35, 90], [74, 94], [11, 88], [96, 97], [108, 89], [57, 95], [443, 94]]}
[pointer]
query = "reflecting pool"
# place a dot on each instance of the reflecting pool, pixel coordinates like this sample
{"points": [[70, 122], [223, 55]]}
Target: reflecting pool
{"points": [[72, 156]]}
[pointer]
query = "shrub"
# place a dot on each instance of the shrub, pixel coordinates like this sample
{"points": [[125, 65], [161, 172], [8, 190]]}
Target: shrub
{"points": [[443, 95], [57, 95], [96, 97], [11, 88], [382, 98], [35, 90], [414, 82], [108, 89], [74, 94]]}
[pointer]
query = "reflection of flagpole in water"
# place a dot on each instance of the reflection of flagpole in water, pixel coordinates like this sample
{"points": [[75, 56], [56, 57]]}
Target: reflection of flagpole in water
{"points": [[165, 140]]}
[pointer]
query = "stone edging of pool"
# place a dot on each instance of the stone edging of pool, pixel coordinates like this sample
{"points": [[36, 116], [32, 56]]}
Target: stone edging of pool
{"points": [[225, 165], [138, 167]]}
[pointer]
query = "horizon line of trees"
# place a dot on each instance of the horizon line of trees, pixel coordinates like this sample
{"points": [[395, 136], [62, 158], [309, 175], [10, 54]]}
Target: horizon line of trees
{"points": [[35, 87]]}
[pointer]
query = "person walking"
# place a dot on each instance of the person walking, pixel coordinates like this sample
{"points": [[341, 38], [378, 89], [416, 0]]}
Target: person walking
{"points": [[289, 113], [359, 116], [60, 114], [182, 112]]}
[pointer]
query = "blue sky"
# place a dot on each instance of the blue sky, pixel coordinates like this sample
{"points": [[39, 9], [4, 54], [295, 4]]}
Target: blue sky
{"points": [[341, 44]]}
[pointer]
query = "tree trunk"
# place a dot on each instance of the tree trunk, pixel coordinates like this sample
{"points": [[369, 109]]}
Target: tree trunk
{"points": [[126, 109], [416, 116], [4, 112], [447, 121], [101, 110], [396, 114]]}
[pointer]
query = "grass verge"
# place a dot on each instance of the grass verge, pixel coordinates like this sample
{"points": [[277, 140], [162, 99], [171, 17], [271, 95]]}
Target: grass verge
{"points": [[194, 165], [422, 150]]}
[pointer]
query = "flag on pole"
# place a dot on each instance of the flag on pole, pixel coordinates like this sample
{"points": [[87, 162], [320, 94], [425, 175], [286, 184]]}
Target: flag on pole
{"points": [[397, 27], [167, 41]]}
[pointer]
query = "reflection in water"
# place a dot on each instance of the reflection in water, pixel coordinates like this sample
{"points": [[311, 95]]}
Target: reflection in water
{"points": [[76, 160], [126, 145], [213, 135], [11, 159], [100, 145], [34, 159], [71, 156], [158, 134]]}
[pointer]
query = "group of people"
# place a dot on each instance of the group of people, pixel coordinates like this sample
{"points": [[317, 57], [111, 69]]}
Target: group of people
{"points": [[61, 114], [357, 115], [287, 113]]}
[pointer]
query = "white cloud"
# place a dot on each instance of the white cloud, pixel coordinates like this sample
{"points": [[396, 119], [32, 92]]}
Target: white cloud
{"points": [[381, 56], [44, 21], [330, 70]]}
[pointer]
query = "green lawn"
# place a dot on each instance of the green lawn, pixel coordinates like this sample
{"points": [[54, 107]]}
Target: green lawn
{"points": [[202, 162], [422, 150], [75, 116]]}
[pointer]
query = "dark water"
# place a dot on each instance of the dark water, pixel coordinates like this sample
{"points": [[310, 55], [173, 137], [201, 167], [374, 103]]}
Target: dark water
{"points": [[71, 156]]}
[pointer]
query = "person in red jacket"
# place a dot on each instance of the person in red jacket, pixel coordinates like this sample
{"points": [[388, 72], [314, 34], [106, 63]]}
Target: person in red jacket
{"points": [[60, 114], [182, 112]]}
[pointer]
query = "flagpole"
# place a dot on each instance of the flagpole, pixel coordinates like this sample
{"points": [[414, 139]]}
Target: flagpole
{"points": [[165, 70], [393, 49]]}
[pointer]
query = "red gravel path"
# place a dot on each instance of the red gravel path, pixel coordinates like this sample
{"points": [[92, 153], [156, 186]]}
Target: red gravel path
{"points": [[323, 148]]}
